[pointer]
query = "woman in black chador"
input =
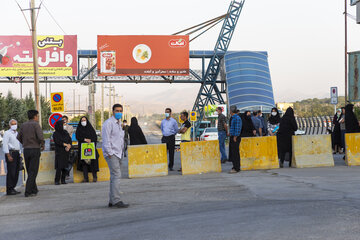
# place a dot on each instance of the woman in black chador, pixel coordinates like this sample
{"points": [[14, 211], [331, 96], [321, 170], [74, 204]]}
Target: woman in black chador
{"points": [[287, 129], [351, 122], [136, 134], [62, 142], [85, 133], [248, 128]]}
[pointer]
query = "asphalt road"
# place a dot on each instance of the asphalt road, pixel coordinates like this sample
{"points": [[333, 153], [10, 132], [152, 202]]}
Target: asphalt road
{"points": [[312, 203]]}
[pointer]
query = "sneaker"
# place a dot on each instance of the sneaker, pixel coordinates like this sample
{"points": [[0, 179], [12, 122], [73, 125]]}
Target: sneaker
{"points": [[232, 171], [120, 205]]}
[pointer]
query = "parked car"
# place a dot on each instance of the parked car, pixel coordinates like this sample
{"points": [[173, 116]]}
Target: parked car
{"points": [[177, 139], [210, 133]]}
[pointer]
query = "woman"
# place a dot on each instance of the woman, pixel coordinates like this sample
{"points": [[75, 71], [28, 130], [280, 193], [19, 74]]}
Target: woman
{"points": [[287, 129], [336, 134], [351, 122], [136, 134], [248, 129], [273, 121], [342, 128], [62, 152], [85, 133]]}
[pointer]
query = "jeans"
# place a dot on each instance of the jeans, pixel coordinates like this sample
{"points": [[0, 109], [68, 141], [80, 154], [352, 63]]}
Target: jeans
{"points": [[32, 160], [114, 164], [222, 137]]}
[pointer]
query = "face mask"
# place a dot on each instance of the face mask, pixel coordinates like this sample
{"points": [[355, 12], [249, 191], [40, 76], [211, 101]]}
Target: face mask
{"points": [[64, 127], [118, 115], [83, 124], [273, 113], [13, 127], [124, 124], [167, 115]]}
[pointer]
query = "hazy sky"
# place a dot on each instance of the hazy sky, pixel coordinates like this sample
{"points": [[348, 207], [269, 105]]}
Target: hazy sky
{"points": [[304, 40]]}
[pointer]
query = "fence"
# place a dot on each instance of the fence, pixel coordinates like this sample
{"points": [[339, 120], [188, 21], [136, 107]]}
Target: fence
{"points": [[315, 125]]}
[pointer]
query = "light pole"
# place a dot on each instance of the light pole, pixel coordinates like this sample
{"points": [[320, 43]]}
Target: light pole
{"points": [[346, 53]]}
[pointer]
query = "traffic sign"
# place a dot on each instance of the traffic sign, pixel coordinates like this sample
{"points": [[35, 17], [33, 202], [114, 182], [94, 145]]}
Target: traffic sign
{"points": [[333, 95], [193, 116], [57, 102], [54, 118]]}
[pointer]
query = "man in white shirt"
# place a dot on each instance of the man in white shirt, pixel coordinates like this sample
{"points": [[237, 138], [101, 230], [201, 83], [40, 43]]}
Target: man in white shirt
{"points": [[12, 150], [113, 147]]}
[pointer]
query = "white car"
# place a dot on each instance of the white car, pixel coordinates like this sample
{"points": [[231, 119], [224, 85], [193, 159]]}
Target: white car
{"points": [[209, 134]]}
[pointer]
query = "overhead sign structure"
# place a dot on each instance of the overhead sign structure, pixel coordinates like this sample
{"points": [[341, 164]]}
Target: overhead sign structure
{"points": [[57, 102], [334, 95], [143, 55], [57, 56], [54, 118], [193, 116], [354, 2]]}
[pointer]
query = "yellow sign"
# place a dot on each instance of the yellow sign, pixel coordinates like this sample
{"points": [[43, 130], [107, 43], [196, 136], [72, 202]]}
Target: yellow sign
{"points": [[193, 116], [57, 102], [180, 121]]}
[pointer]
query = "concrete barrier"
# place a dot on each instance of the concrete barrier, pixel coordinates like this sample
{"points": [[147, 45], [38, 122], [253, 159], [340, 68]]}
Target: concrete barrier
{"points": [[312, 151], [352, 149], [102, 175], [200, 157], [147, 160], [259, 153], [46, 174]]}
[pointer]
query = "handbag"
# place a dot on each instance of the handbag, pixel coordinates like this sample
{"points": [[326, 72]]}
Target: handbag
{"points": [[88, 152]]}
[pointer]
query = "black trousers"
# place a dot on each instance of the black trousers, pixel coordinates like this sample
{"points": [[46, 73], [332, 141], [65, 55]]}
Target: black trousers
{"points": [[282, 157], [13, 168], [60, 174], [32, 160], [86, 172], [170, 145], [234, 152]]}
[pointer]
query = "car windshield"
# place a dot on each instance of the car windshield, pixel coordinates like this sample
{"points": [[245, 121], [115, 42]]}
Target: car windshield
{"points": [[211, 130], [204, 125]]}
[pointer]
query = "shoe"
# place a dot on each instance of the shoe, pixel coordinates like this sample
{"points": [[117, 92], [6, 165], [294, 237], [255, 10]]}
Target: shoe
{"points": [[12, 192], [95, 180], [180, 170], [120, 205], [232, 171], [30, 195], [85, 180], [281, 165], [171, 169], [63, 182], [57, 183], [17, 192], [110, 205], [224, 161]]}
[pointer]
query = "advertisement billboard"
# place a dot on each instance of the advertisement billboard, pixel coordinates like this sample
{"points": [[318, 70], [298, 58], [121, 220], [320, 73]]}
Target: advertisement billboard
{"points": [[57, 56], [143, 55], [210, 110]]}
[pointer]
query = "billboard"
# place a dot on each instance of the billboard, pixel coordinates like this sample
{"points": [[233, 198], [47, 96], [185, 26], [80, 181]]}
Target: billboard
{"points": [[57, 56], [210, 110], [143, 55]]}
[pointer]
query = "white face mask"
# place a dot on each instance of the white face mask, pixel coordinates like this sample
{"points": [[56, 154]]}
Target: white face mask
{"points": [[13, 127], [273, 113], [83, 124], [64, 127]]}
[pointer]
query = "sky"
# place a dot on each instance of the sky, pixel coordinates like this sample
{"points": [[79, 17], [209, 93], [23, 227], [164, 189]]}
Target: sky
{"points": [[304, 41]]}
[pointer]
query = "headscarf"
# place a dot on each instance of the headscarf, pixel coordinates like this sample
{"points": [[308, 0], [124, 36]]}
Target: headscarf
{"points": [[351, 122], [135, 132], [60, 134], [289, 112], [85, 132], [273, 120]]}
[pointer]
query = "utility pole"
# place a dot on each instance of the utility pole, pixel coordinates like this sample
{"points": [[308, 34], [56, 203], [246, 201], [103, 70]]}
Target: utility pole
{"points": [[91, 95], [102, 104], [79, 105], [346, 63], [74, 106], [110, 90], [35, 58]]}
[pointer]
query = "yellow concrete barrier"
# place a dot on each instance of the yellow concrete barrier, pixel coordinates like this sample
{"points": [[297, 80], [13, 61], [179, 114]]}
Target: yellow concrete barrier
{"points": [[259, 153], [147, 160], [352, 146], [102, 175], [312, 151], [200, 157], [46, 174]]}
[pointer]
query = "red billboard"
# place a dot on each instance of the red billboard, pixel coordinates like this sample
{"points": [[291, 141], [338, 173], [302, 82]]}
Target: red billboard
{"points": [[143, 55], [57, 56]]}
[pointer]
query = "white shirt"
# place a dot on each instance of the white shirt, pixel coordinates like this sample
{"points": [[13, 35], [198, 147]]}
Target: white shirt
{"points": [[10, 141], [113, 138]]}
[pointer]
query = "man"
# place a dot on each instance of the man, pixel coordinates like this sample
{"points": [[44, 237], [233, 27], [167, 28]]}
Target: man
{"points": [[12, 150], [235, 139], [262, 119], [222, 132], [68, 127], [169, 128], [32, 139], [113, 146], [126, 136], [185, 129], [257, 123]]}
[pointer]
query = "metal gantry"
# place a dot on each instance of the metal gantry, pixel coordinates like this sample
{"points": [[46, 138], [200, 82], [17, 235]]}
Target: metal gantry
{"points": [[209, 92]]}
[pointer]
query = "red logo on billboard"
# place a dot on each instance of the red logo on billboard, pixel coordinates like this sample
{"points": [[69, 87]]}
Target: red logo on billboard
{"points": [[177, 42]]}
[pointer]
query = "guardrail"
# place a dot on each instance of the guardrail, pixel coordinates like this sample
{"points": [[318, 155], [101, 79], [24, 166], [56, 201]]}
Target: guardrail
{"points": [[315, 125]]}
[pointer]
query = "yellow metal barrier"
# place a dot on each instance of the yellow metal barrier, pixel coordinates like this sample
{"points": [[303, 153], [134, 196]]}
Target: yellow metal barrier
{"points": [[312, 151], [102, 175], [258, 153], [200, 157], [147, 160], [352, 146]]}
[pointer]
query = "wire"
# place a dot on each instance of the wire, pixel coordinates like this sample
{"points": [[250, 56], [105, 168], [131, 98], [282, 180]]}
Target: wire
{"points": [[37, 16], [53, 18], [211, 20], [22, 11], [205, 30]]}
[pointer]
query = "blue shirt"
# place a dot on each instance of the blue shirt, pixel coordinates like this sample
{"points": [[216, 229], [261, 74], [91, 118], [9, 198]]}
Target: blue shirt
{"points": [[236, 125], [169, 127], [257, 123]]}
